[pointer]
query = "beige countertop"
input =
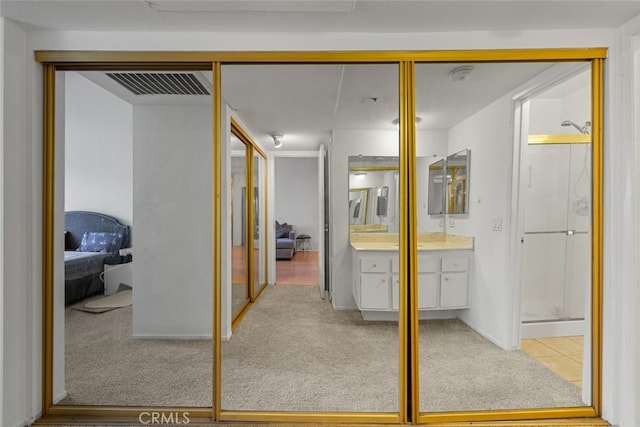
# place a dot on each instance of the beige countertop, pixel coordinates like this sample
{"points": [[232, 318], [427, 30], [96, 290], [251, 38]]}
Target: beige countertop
{"points": [[426, 242]]}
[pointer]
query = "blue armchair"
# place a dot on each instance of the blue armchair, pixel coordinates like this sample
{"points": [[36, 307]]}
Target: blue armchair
{"points": [[285, 241]]}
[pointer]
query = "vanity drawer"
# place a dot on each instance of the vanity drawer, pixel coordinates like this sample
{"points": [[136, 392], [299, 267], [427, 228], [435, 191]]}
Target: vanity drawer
{"points": [[426, 264], [374, 265], [455, 264]]}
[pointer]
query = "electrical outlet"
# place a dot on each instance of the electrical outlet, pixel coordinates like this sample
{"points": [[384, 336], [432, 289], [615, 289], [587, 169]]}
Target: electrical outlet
{"points": [[497, 224]]}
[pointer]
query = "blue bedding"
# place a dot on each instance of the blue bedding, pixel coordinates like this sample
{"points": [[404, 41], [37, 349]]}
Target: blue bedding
{"points": [[81, 264], [91, 240]]}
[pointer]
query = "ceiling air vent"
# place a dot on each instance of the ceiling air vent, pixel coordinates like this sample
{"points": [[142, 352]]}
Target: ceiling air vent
{"points": [[160, 83]]}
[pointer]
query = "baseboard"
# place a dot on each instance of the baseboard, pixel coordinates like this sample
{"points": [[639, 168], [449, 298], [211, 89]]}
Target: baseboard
{"points": [[438, 314], [58, 398], [486, 335], [552, 329], [383, 316], [29, 421], [392, 316]]}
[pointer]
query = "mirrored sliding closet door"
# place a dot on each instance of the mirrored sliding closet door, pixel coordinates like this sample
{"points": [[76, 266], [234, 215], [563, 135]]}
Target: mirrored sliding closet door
{"points": [[132, 285], [504, 219], [294, 351]]}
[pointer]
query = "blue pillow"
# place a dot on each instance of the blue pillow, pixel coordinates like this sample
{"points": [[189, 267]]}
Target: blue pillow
{"points": [[282, 230], [100, 242]]}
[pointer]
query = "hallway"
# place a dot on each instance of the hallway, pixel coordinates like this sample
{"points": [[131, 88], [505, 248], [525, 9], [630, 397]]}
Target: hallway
{"points": [[302, 269]]}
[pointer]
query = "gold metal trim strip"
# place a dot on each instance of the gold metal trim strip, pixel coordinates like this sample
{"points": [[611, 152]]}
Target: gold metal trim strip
{"points": [[216, 94], [311, 417], [239, 315], [48, 216], [597, 101], [560, 139], [251, 210], [506, 415], [407, 244], [410, 284], [130, 413], [139, 58]]}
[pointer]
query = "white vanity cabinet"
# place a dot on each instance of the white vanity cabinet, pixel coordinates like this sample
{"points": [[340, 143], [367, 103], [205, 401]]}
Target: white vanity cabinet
{"points": [[443, 279], [373, 288]]}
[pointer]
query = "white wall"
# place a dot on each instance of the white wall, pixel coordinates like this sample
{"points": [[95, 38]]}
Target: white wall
{"points": [[172, 269], [547, 113], [634, 384], [296, 195], [2, 174], [98, 154], [489, 136], [619, 278], [20, 282]]}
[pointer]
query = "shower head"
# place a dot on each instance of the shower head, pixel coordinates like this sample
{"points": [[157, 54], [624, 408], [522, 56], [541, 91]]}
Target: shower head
{"points": [[583, 129]]}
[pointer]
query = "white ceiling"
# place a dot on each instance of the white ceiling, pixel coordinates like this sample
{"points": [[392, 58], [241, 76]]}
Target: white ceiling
{"points": [[304, 102], [365, 16]]}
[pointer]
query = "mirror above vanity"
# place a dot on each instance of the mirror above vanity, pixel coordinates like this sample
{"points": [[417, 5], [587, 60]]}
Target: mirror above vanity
{"points": [[449, 184], [373, 189], [457, 182]]}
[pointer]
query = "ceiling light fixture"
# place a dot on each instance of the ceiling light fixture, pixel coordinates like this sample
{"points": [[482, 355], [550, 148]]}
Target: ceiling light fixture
{"points": [[461, 73], [277, 139], [396, 122]]}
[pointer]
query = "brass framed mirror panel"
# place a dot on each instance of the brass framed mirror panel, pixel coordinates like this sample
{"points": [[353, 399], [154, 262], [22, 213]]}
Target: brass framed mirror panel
{"points": [[252, 269], [408, 245]]}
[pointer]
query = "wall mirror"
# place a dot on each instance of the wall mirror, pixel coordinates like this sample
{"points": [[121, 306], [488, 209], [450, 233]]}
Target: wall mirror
{"points": [[373, 201], [437, 188], [457, 165], [358, 201]]}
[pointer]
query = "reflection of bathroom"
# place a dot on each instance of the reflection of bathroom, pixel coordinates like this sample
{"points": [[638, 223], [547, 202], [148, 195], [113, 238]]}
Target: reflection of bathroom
{"points": [[557, 199], [555, 237]]}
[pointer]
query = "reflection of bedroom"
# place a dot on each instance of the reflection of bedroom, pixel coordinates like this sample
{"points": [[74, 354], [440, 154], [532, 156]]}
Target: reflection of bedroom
{"points": [[121, 160], [98, 179], [124, 160]]}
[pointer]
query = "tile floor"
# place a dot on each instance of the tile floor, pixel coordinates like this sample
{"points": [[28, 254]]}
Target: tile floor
{"points": [[563, 355]]}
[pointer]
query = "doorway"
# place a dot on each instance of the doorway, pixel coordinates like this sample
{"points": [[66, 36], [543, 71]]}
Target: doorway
{"points": [[556, 238], [297, 219]]}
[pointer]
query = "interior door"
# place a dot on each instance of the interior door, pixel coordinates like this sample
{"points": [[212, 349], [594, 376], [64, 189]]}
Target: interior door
{"points": [[321, 221]]}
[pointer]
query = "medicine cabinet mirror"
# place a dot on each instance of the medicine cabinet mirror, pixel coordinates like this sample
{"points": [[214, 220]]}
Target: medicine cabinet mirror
{"points": [[437, 188], [449, 184], [457, 182]]}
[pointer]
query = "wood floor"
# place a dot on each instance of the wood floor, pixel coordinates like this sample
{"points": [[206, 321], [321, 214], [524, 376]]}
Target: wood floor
{"points": [[302, 269]]}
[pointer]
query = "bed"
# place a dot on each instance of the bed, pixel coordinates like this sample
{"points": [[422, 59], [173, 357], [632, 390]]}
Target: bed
{"points": [[91, 240]]}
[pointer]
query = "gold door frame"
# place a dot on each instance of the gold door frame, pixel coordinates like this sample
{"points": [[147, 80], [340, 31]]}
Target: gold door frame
{"points": [[251, 150], [408, 321]]}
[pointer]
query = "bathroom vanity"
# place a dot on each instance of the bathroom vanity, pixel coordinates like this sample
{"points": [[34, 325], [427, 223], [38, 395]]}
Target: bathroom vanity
{"points": [[444, 263]]}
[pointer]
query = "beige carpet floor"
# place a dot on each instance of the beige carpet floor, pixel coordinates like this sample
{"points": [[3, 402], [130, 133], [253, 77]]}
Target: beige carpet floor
{"points": [[293, 352]]}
